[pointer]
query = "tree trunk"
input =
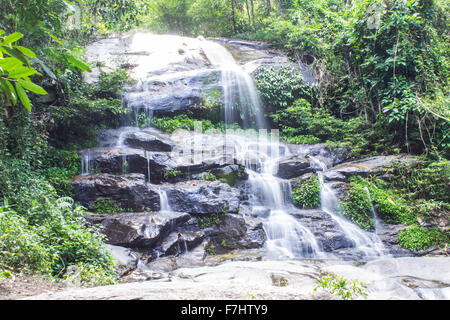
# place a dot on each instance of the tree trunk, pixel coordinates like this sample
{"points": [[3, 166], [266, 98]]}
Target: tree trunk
{"points": [[248, 12], [233, 15], [268, 7]]}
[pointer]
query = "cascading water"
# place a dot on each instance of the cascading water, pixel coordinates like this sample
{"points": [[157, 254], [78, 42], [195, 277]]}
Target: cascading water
{"points": [[368, 244], [241, 102], [269, 196], [164, 200], [286, 236]]}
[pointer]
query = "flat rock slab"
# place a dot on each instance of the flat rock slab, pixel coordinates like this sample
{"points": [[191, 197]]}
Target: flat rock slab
{"points": [[402, 278]]}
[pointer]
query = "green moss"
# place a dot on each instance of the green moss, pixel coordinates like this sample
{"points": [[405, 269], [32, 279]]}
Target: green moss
{"points": [[307, 194], [417, 238]]}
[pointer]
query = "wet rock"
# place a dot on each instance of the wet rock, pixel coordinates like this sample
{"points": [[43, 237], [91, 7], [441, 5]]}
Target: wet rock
{"points": [[330, 157], [363, 167], [235, 232], [292, 167], [149, 140], [230, 174], [119, 160], [129, 191], [176, 94], [326, 230], [202, 197], [125, 260], [143, 229], [181, 242]]}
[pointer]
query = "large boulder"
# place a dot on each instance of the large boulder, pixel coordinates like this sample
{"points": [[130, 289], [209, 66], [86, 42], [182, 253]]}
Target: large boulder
{"points": [[236, 232], [141, 229], [129, 191], [292, 167], [327, 231], [175, 94], [363, 167], [124, 259], [202, 197]]}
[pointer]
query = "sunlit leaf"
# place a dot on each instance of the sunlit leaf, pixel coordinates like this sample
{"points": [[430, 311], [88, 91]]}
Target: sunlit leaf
{"points": [[32, 87], [23, 96]]}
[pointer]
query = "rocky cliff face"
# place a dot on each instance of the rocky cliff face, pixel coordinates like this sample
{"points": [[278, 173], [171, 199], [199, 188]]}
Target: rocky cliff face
{"points": [[188, 206]]}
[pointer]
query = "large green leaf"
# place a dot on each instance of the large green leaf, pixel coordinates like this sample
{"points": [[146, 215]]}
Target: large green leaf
{"points": [[13, 37], [79, 64], [16, 54], [9, 90], [10, 64], [32, 87], [26, 51], [45, 68], [23, 96], [22, 73]]}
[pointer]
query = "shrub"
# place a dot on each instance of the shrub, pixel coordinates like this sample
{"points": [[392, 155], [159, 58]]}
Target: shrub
{"points": [[21, 247], [106, 206], [417, 238], [341, 287], [280, 88], [307, 194], [357, 207]]}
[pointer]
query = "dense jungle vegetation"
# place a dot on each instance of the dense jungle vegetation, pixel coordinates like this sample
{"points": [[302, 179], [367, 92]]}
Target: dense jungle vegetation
{"points": [[382, 71]]}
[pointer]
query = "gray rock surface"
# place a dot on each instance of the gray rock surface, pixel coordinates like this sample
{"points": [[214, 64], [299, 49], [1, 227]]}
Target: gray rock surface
{"points": [[129, 191], [143, 229]]}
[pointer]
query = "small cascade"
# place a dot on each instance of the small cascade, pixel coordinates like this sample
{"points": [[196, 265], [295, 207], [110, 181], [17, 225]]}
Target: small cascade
{"points": [[147, 156], [164, 200], [86, 159], [242, 103], [373, 211], [368, 244]]}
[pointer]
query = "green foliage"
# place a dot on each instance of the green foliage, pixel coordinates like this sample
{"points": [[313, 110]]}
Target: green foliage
{"points": [[211, 250], [106, 206], [90, 107], [170, 174], [422, 179], [210, 220], [15, 69], [341, 287], [357, 206], [50, 238], [20, 245], [209, 177], [302, 139], [170, 125], [89, 276], [388, 204], [416, 237], [394, 73], [307, 194], [280, 88]]}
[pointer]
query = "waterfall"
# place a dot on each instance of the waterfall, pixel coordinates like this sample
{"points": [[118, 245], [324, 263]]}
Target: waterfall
{"points": [[164, 200], [368, 244], [286, 236], [241, 101]]}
